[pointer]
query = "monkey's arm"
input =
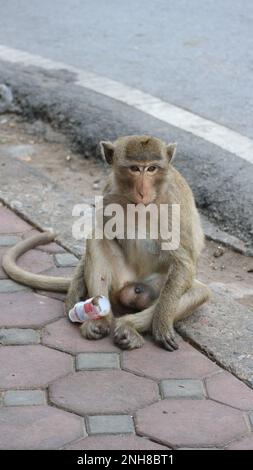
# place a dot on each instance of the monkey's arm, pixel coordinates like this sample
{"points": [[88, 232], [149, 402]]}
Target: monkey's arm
{"points": [[36, 281], [77, 289], [179, 281]]}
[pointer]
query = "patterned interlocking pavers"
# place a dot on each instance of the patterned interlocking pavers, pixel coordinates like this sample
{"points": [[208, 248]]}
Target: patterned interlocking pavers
{"points": [[31, 366], [27, 309], [36, 261], [113, 442], [110, 391], [153, 361], [191, 423], [64, 260], [110, 424], [3, 274], [24, 397], [12, 336], [246, 443], [164, 391], [226, 388], [91, 361], [7, 285], [38, 427], [11, 223], [182, 388], [66, 336], [8, 240]]}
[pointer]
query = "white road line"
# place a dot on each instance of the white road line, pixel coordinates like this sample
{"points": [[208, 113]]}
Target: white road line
{"points": [[217, 134]]}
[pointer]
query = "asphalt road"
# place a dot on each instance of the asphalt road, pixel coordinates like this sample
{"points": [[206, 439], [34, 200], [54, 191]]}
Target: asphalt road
{"points": [[197, 55]]}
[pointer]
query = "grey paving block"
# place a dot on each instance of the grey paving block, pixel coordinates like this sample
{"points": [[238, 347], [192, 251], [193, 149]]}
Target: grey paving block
{"points": [[182, 388], [251, 419], [24, 397], [8, 240], [91, 361], [7, 285], [110, 424], [64, 260], [10, 336]]}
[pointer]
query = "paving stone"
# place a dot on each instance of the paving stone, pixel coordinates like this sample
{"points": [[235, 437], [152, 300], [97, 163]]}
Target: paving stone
{"points": [[155, 362], [66, 336], [99, 392], [246, 443], [63, 272], [64, 260], [36, 261], [115, 442], [18, 336], [7, 285], [24, 397], [3, 274], [251, 419], [110, 424], [27, 309], [182, 388], [191, 423], [89, 361], [8, 240], [226, 388], [54, 295], [11, 223], [199, 448], [51, 248], [31, 366], [40, 427]]}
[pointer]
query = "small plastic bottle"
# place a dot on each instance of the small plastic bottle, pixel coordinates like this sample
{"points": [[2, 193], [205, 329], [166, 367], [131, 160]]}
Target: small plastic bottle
{"points": [[91, 309]]}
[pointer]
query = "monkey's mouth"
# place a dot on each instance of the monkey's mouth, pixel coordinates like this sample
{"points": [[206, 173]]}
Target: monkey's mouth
{"points": [[146, 203]]}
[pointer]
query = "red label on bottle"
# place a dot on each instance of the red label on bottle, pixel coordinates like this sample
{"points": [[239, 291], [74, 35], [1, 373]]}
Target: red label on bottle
{"points": [[88, 308]]}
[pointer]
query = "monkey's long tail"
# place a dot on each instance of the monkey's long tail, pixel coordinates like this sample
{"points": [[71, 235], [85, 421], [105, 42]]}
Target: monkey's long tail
{"points": [[36, 281]]}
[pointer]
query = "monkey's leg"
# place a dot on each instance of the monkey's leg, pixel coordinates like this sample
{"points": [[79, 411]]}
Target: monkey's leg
{"points": [[103, 264], [77, 289], [190, 300], [141, 322], [128, 328]]}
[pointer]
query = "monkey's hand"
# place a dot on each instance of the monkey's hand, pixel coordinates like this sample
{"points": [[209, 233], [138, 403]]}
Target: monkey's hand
{"points": [[163, 331], [95, 329], [126, 336]]}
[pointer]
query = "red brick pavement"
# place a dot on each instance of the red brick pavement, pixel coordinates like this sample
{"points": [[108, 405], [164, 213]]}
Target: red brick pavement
{"points": [[219, 417]]}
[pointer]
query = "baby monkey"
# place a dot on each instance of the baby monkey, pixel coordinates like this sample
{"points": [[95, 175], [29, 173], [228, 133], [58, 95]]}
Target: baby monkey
{"points": [[136, 296]]}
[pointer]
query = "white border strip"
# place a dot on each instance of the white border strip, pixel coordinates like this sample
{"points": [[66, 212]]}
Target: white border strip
{"points": [[217, 134]]}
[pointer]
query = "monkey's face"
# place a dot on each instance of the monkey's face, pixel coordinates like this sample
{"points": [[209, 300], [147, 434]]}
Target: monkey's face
{"points": [[140, 165], [141, 182]]}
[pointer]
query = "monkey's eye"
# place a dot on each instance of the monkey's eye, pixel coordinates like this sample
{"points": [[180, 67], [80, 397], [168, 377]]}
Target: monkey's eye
{"points": [[134, 168], [151, 169]]}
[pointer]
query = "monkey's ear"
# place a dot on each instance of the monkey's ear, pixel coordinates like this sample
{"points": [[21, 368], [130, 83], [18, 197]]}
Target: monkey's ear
{"points": [[107, 149], [171, 151]]}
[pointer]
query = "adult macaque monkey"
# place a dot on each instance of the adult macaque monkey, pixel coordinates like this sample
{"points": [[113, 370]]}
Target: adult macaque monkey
{"points": [[142, 173], [153, 287]]}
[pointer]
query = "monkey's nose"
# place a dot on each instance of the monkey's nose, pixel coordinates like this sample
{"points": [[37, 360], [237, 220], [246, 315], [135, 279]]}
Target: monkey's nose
{"points": [[138, 289]]}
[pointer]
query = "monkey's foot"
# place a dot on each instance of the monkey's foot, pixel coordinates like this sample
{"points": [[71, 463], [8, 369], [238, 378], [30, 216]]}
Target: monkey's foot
{"points": [[95, 329], [126, 337], [165, 337]]}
